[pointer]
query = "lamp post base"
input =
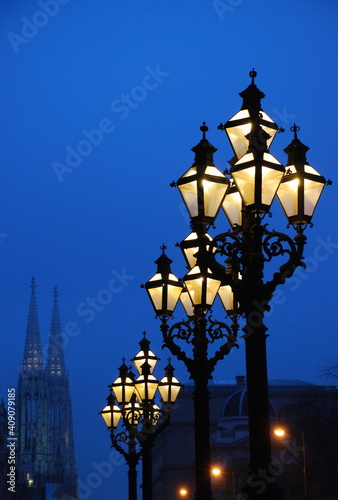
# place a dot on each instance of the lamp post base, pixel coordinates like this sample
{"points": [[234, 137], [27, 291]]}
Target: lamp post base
{"points": [[262, 491]]}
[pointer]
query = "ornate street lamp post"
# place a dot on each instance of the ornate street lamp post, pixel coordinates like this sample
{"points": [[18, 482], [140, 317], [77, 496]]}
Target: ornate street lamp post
{"points": [[203, 188], [124, 442], [256, 178], [142, 419]]}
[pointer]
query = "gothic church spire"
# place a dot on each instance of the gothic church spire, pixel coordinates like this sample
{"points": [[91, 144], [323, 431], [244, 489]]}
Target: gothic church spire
{"points": [[55, 359], [32, 357]]}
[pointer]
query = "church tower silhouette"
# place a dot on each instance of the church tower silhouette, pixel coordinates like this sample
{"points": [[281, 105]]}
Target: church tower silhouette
{"points": [[45, 431]]}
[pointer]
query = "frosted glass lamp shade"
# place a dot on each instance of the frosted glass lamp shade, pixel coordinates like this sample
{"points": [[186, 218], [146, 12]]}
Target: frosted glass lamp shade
{"points": [[111, 413], [257, 177]]}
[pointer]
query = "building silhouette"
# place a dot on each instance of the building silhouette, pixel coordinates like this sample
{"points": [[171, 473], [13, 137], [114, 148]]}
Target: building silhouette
{"points": [[304, 460], [45, 453]]}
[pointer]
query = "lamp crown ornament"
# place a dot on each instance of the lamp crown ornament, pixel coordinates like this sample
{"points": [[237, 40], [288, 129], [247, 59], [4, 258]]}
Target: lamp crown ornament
{"points": [[163, 262], [252, 96], [204, 151], [253, 75], [248, 118], [123, 369], [296, 150], [204, 129], [169, 369]]}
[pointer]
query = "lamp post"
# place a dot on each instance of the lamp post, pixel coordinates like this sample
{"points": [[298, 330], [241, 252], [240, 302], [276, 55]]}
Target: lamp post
{"points": [[124, 442], [224, 466], [232, 264], [142, 419], [203, 187], [282, 431]]}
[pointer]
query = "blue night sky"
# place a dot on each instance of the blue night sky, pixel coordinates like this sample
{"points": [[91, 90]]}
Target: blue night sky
{"points": [[85, 216]]}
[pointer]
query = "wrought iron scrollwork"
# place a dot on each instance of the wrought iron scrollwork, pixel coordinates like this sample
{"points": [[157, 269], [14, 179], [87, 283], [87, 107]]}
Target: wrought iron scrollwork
{"points": [[228, 244], [125, 443], [273, 245], [215, 330], [184, 329], [235, 247], [153, 422], [188, 331]]}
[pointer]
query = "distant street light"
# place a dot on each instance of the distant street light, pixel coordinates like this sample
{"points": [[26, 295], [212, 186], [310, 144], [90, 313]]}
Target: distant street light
{"points": [[216, 471], [219, 459], [142, 419], [183, 492], [246, 194], [281, 432]]}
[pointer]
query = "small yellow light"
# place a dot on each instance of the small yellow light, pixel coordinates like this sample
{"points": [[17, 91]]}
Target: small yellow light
{"points": [[183, 492], [279, 432], [216, 471]]}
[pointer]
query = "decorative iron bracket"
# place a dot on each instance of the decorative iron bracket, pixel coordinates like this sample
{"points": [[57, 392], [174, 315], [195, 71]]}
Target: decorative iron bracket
{"points": [[199, 331]]}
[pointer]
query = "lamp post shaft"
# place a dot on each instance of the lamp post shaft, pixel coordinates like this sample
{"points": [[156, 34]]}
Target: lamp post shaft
{"points": [[258, 398], [132, 480], [201, 397], [202, 443], [254, 300], [304, 463], [147, 470]]}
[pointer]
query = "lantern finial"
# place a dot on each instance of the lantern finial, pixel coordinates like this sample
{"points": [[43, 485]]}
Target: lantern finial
{"points": [[295, 129], [253, 75], [204, 129], [296, 150], [204, 150]]}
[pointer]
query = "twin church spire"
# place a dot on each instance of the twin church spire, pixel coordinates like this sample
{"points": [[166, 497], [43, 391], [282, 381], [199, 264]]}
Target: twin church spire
{"points": [[45, 453], [34, 354]]}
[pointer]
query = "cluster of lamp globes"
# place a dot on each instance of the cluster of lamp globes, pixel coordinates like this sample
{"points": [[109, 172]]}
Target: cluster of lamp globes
{"points": [[256, 177], [136, 396]]}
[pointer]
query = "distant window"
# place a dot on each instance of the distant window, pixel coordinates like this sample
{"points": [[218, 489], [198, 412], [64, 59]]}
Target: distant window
{"points": [[35, 408], [27, 408], [52, 415], [28, 438]]}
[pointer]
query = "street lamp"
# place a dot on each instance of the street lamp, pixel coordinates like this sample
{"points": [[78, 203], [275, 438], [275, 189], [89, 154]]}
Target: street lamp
{"points": [[203, 188], [248, 247], [279, 432], [282, 432], [256, 179], [222, 466], [142, 419], [124, 442], [183, 492]]}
